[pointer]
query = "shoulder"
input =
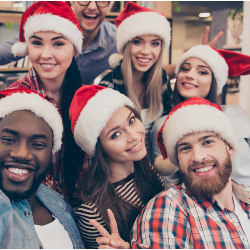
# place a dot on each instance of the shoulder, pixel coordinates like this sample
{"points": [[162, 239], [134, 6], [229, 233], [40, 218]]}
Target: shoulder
{"points": [[87, 210], [109, 27]]}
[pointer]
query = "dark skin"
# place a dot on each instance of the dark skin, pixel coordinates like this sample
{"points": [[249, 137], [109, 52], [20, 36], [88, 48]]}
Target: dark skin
{"points": [[25, 145]]}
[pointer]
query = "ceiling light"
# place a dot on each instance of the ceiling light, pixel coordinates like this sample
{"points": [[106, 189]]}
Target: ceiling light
{"points": [[204, 14]]}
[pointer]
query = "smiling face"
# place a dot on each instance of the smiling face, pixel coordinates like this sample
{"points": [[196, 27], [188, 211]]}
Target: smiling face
{"points": [[50, 54], [145, 50], [194, 79], [90, 17], [123, 138], [25, 153], [205, 163]]}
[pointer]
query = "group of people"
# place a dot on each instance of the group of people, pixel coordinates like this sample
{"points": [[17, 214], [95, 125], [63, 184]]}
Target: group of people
{"points": [[141, 165]]}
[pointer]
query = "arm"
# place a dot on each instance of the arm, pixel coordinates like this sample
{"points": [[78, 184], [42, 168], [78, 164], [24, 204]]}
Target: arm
{"points": [[6, 55], [162, 224]]}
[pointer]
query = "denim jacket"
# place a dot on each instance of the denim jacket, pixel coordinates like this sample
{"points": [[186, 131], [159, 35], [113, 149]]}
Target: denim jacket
{"points": [[16, 221]]}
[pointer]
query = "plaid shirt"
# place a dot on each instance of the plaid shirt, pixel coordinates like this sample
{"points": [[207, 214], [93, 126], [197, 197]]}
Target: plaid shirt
{"points": [[175, 220]]}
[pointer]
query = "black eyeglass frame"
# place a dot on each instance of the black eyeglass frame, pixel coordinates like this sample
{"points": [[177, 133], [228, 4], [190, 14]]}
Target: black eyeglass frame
{"points": [[96, 2]]}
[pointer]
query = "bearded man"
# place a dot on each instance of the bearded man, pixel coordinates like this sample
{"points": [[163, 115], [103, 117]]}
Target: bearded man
{"points": [[209, 210]]}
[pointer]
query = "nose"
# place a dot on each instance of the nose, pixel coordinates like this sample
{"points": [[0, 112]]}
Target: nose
{"points": [[46, 52], [132, 134], [198, 154], [190, 74], [92, 5], [21, 152], [146, 48]]}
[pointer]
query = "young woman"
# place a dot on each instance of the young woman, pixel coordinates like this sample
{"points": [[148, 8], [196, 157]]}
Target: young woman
{"points": [[142, 36], [120, 178], [202, 72], [51, 36]]}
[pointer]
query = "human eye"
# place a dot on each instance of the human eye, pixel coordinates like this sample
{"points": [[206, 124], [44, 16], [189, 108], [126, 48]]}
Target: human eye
{"points": [[136, 41], [36, 42], [185, 68], [58, 43], [184, 149], [115, 135], [132, 120], [156, 43], [203, 72], [8, 140], [39, 145], [208, 142]]}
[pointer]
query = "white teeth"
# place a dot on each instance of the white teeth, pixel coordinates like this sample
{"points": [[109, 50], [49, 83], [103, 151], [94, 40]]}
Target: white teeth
{"points": [[18, 171], [135, 147], [47, 65], [189, 85], [201, 170], [144, 60], [91, 15]]}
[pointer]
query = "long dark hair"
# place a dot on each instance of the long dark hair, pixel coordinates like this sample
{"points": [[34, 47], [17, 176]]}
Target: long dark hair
{"points": [[212, 94], [97, 188], [72, 155]]}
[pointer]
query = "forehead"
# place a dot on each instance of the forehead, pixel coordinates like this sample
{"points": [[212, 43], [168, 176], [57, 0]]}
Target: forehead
{"points": [[25, 122]]}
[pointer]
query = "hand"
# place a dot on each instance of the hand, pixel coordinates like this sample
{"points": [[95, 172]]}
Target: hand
{"points": [[109, 241], [214, 40]]}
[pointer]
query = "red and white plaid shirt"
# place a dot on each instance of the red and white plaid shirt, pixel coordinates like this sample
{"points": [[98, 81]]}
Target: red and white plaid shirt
{"points": [[173, 219]]}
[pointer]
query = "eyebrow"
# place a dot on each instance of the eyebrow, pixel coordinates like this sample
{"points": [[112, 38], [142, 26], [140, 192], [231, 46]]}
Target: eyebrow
{"points": [[15, 133], [115, 128], [156, 39], [200, 139], [54, 38]]}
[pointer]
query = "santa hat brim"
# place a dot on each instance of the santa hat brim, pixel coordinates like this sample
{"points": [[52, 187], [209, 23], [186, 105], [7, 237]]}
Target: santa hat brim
{"points": [[95, 115], [143, 23], [40, 107]]}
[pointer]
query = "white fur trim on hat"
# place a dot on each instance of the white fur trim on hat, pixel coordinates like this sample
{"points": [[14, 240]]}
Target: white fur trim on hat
{"points": [[196, 118], [143, 23], [114, 60], [40, 107], [212, 58], [50, 22], [19, 49], [95, 115]]}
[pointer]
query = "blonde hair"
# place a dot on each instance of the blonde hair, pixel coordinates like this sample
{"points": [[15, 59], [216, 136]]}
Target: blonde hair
{"points": [[152, 79]]}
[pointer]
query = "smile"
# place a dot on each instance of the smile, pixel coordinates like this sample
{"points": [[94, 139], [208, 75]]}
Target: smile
{"points": [[90, 16], [189, 85], [136, 148], [18, 171], [47, 65], [204, 169]]}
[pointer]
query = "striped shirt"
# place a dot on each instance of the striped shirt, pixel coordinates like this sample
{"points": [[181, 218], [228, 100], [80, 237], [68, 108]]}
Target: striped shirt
{"points": [[175, 220], [126, 190]]}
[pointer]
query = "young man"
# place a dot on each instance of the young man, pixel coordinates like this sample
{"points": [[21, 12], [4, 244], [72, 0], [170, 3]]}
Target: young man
{"points": [[32, 215], [209, 210], [98, 44]]}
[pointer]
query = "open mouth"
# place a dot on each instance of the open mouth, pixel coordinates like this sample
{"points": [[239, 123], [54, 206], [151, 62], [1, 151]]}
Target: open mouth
{"points": [[47, 65], [136, 147], [19, 171], [90, 16], [189, 85]]}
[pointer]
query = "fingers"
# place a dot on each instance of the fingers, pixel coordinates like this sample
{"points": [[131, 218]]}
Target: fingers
{"points": [[120, 244], [113, 224], [216, 38], [205, 35], [100, 228]]}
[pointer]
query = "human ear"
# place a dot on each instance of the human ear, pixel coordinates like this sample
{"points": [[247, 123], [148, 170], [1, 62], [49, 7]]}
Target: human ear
{"points": [[230, 150]]}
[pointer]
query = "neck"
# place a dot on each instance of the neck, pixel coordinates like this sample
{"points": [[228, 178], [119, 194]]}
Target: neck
{"points": [[120, 171], [225, 197], [89, 37]]}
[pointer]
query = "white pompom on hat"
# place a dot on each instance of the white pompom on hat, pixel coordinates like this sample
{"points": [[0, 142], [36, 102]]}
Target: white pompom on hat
{"points": [[223, 63], [12, 100], [91, 108], [55, 16], [136, 20], [191, 116]]}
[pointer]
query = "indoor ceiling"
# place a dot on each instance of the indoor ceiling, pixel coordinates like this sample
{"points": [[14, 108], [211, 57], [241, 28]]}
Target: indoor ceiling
{"points": [[189, 10]]}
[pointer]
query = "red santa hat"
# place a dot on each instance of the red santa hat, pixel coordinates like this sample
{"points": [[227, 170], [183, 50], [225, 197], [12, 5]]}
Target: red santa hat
{"points": [[223, 63], [191, 116], [12, 100], [135, 20], [91, 108], [54, 16]]}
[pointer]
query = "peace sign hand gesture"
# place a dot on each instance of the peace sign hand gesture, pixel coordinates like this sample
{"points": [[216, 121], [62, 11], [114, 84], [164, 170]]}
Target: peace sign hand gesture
{"points": [[109, 241]]}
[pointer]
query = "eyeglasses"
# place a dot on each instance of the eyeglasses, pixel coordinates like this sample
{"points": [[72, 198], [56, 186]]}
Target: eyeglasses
{"points": [[101, 4]]}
